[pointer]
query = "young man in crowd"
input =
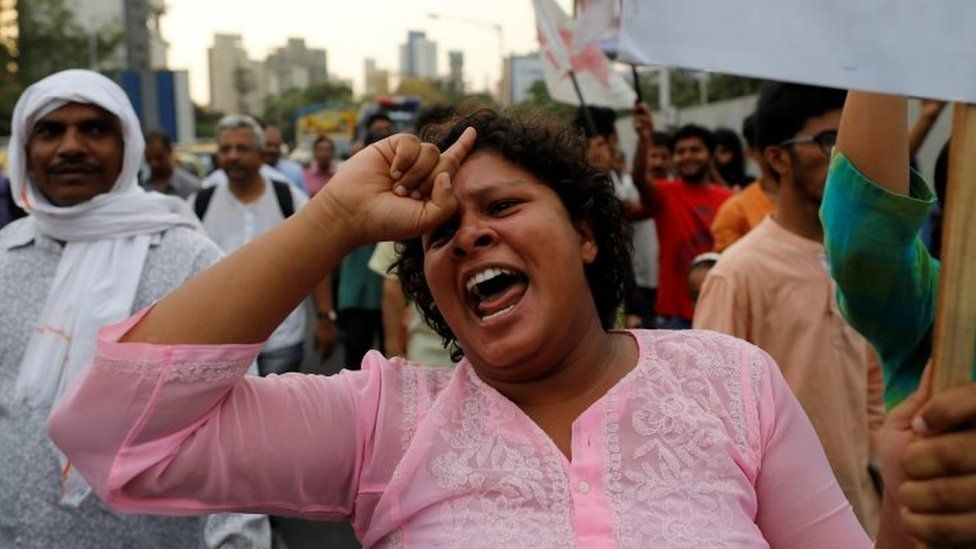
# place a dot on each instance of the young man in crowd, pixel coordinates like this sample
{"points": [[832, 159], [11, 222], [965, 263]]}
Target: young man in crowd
{"points": [[603, 151], [744, 211], [73, 266], [165, 176], [683, 212], [273, 147], [772, 288], [659, 157], [317, 175], [246, 206]]}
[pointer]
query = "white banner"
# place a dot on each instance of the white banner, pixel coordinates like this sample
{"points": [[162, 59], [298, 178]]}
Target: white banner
{"points": [[923, 48]]}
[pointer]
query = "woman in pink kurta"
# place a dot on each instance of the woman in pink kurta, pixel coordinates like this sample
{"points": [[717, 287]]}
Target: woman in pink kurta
{"points": [[552, 432]]}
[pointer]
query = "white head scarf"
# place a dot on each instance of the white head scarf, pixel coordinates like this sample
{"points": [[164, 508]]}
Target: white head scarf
{"points": [[106, 243]]}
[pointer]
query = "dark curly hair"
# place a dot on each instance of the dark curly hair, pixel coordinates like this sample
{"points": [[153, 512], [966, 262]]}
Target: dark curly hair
{"points": [[555, 154]]}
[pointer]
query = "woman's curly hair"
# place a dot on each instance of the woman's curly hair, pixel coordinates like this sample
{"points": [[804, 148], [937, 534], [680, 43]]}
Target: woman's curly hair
{"points": [[555, 154]]}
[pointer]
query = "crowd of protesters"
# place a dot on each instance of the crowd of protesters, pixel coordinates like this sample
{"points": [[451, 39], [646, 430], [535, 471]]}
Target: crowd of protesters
{"points": [[505, 259]]}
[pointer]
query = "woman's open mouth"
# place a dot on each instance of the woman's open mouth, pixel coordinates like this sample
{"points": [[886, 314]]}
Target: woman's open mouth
{"points": [[494, 291]]}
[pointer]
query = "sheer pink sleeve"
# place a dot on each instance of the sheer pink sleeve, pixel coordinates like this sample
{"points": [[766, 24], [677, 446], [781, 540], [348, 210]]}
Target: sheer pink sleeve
{"points": [[800, 503], [180, 430]]}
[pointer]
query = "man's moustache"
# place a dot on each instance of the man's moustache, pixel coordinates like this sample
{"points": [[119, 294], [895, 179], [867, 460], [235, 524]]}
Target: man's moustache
{"points": [[73, 167]]}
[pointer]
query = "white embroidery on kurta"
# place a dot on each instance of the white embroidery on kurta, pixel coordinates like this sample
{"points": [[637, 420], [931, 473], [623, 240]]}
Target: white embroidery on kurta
{"points": [[675, 466], [510, 489]]}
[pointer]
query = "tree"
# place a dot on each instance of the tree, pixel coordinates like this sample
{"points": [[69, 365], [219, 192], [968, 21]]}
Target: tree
{"points": [[422, 88], [206, 121], [49, 40], [540, 101], [686, 87], [282, 110]]}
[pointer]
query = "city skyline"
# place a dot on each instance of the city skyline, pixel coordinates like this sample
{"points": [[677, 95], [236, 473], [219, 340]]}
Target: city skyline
{"points": [[355, 35]]}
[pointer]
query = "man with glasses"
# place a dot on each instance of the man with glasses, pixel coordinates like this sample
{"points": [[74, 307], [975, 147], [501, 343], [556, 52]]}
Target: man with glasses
{"points": [[773, 289]]}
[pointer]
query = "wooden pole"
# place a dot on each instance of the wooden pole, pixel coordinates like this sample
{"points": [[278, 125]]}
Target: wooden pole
{"points": [[955, 320], [955, 314]]}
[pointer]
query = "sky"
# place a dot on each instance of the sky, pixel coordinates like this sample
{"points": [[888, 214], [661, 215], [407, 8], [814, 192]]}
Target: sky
{"points": [[352, 30]]}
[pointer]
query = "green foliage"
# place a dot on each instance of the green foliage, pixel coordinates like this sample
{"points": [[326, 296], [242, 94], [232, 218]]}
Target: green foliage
{"points": [[540, 100], [729, 86], [206, 121], [282, 110], [686, 87], [426, 90], [49, 40]]}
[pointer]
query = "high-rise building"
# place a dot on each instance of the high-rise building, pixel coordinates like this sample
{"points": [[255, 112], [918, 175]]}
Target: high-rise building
{"points": [[377, 80], [237, 83], [295, 66], [418, 57], [241, 84], [455, 78]]}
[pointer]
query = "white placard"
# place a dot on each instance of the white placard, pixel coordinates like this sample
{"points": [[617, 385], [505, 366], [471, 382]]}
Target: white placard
{"points": [[923, 48]]}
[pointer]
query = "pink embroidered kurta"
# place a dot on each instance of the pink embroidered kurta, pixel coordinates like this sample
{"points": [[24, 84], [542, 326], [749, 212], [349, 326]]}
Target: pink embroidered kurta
{"points": [[701, 445]]}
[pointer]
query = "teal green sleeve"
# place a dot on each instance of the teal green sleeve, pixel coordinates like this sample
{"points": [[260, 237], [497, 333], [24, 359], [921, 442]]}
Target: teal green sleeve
{"points": [[886, 280], [359, 286]]}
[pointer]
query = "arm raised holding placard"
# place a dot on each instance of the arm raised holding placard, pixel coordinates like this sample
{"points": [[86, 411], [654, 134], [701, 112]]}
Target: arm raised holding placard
{"points": [[873, 208], [644, 126]]}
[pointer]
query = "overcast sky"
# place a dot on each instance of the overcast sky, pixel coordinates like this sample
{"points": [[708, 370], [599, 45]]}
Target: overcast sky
{"points": [[351, 30]]}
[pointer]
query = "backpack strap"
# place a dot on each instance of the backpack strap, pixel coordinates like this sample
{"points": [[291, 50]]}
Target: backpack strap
{"points": [[202, 201], [283, 194]]}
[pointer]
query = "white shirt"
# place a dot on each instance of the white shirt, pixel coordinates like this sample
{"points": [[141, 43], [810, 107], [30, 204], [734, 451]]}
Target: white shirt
{"points": [[219, 177], [645, 259], [231, 224]]}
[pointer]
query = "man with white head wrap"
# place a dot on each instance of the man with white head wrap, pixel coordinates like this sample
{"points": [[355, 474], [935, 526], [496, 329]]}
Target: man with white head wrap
{"points": [[95, 248]]}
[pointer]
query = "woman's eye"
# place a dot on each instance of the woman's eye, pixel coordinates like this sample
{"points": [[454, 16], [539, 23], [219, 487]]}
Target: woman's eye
{"points": [[500, 206], [441, 235]]}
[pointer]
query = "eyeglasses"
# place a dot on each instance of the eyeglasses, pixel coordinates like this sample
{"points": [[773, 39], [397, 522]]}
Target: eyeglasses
{"points": [[825, 140]]}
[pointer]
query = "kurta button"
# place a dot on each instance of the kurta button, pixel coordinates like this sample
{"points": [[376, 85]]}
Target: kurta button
{"points": [[583, 487]]}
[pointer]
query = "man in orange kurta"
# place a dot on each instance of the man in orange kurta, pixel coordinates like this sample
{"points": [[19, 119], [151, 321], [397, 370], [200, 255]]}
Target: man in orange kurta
{"points": [[740, 214], [772, 288], [744, 211]]}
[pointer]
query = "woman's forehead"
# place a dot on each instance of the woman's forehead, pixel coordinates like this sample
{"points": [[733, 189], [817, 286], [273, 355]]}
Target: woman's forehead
{"points": [[485, 170]]}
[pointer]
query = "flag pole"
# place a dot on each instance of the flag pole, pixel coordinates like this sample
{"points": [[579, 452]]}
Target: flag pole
{"points": [[587, 116], [637, 90]]}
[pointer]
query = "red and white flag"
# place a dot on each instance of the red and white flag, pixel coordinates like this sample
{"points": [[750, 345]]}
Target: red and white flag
{"points": [[596, 21], [598, 83]]}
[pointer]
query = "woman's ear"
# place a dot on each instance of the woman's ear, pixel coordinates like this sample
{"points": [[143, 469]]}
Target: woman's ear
{"points": [[588, 247]]}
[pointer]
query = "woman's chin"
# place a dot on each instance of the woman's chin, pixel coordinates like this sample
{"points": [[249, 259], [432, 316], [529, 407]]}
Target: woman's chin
{"points": [[505, 360]]}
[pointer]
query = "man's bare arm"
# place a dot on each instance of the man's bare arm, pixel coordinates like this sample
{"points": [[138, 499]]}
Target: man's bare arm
{"points": [[874, 136], [644, 126]]}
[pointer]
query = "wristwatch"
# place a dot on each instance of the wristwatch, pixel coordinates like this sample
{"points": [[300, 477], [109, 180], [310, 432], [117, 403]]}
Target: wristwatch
{"points": [[331, 315]]}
